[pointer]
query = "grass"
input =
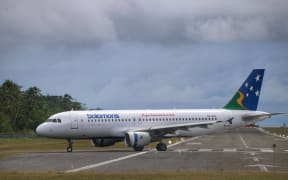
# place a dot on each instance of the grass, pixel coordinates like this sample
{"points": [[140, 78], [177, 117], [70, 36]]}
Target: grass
{"points": [[278, 130], [8, 155], [179, 175], [46, 144], [38, 144], [11, 147]]}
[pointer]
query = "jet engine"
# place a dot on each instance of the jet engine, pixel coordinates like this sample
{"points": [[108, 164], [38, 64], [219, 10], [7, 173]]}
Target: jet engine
{"points": [[137, 139], [102, 142]]}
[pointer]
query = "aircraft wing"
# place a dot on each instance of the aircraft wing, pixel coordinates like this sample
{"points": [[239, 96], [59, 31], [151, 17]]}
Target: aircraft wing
{"points": [[162, 130]]}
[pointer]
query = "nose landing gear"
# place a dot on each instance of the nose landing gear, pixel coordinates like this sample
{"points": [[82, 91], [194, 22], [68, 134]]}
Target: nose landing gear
{"points": [[70, 145]]}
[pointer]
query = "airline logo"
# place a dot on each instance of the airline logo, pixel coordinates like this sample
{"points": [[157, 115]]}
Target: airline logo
{"points": [[248, 95], [230, 120]]}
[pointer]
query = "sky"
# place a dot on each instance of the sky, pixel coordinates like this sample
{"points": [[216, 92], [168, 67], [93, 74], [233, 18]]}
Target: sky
{"points": [[147, 54]]}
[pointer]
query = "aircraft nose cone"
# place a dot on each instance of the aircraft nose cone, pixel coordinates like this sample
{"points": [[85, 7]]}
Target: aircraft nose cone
{"points": [[40, 131]]}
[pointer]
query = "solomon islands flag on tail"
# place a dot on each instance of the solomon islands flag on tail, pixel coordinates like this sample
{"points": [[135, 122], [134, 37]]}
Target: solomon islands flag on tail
{"points": [[247, 97]]}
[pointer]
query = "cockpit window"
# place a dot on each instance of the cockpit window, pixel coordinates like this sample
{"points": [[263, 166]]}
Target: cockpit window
{"points": [[54, 120]]}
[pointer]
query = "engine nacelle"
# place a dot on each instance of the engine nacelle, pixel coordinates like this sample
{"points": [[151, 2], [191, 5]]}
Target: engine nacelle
{"points": [[136, 139], [102, 142]]}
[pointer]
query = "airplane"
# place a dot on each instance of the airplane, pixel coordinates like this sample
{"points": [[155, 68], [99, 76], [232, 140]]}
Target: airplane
{"points": [[138, 128]]}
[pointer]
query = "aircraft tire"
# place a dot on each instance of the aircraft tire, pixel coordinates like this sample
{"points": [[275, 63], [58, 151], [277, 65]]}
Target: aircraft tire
{"points": [[138, 148], [161, 147], [69, 149]]}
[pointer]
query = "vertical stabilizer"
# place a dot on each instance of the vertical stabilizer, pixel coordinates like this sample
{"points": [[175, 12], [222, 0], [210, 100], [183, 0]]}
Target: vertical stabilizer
{"points": [[247, 97]]}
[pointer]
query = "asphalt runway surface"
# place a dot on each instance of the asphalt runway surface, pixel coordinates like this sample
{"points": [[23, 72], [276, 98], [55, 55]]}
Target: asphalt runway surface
{"points": [[245, 149]]}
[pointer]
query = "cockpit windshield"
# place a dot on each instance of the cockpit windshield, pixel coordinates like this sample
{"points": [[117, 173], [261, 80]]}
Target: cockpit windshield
{"points": [[54, 120]]}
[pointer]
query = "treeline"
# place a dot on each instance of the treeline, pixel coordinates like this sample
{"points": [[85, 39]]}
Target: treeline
{"points": [[24, 110]]}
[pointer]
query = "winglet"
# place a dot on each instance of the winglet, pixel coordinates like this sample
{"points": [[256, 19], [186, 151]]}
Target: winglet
{"points": [[247, 97]]}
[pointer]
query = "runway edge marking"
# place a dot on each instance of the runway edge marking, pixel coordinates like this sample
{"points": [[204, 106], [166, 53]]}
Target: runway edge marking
{"points": [[243, 141], [180, 142], [104, 163], [120, 159]]}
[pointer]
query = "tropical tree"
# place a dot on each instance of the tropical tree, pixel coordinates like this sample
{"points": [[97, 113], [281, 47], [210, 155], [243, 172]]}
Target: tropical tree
{"points": [[24, 110], [10, 100]]}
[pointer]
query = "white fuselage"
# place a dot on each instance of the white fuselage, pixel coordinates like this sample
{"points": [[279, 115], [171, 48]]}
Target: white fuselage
{"points": [[115, 123]]}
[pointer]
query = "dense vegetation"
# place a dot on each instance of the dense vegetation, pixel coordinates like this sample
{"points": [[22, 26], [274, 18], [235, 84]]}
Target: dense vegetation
{"points": [[162, 175], [24, 110]]}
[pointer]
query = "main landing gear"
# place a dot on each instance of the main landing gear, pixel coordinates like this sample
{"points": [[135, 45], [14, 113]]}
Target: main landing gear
{"points": [[161, 146], [70, 145], [138, 148]]}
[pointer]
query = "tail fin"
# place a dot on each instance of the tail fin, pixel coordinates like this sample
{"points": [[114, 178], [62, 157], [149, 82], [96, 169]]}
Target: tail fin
{"points": [[247, 97]]}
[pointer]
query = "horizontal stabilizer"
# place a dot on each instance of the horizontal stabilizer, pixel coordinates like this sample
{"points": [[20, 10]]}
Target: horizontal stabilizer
{"points": [[277, 113], [249, 117]]}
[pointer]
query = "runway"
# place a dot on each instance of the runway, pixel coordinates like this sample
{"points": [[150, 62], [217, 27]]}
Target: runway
{"points": [[245, 149]]}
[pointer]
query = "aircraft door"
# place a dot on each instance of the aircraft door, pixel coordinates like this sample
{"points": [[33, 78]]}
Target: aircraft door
{"points": [[74, 124], [74, 121]]}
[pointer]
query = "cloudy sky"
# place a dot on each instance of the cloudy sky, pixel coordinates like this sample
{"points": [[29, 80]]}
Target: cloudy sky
{"points": [[120, 54]]}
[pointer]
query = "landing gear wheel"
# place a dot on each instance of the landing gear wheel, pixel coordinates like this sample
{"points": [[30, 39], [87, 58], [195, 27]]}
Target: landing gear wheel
{"points": [[69, 149], [161, 147], [70, 146], [138, 148]]}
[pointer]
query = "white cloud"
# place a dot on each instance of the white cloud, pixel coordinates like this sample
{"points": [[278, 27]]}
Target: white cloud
{"points": [[221, 29], [145, 53], [275, 91], [90, 23]]}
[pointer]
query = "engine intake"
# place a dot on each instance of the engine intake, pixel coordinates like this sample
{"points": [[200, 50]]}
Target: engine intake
{"points": [[137, 139]]}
